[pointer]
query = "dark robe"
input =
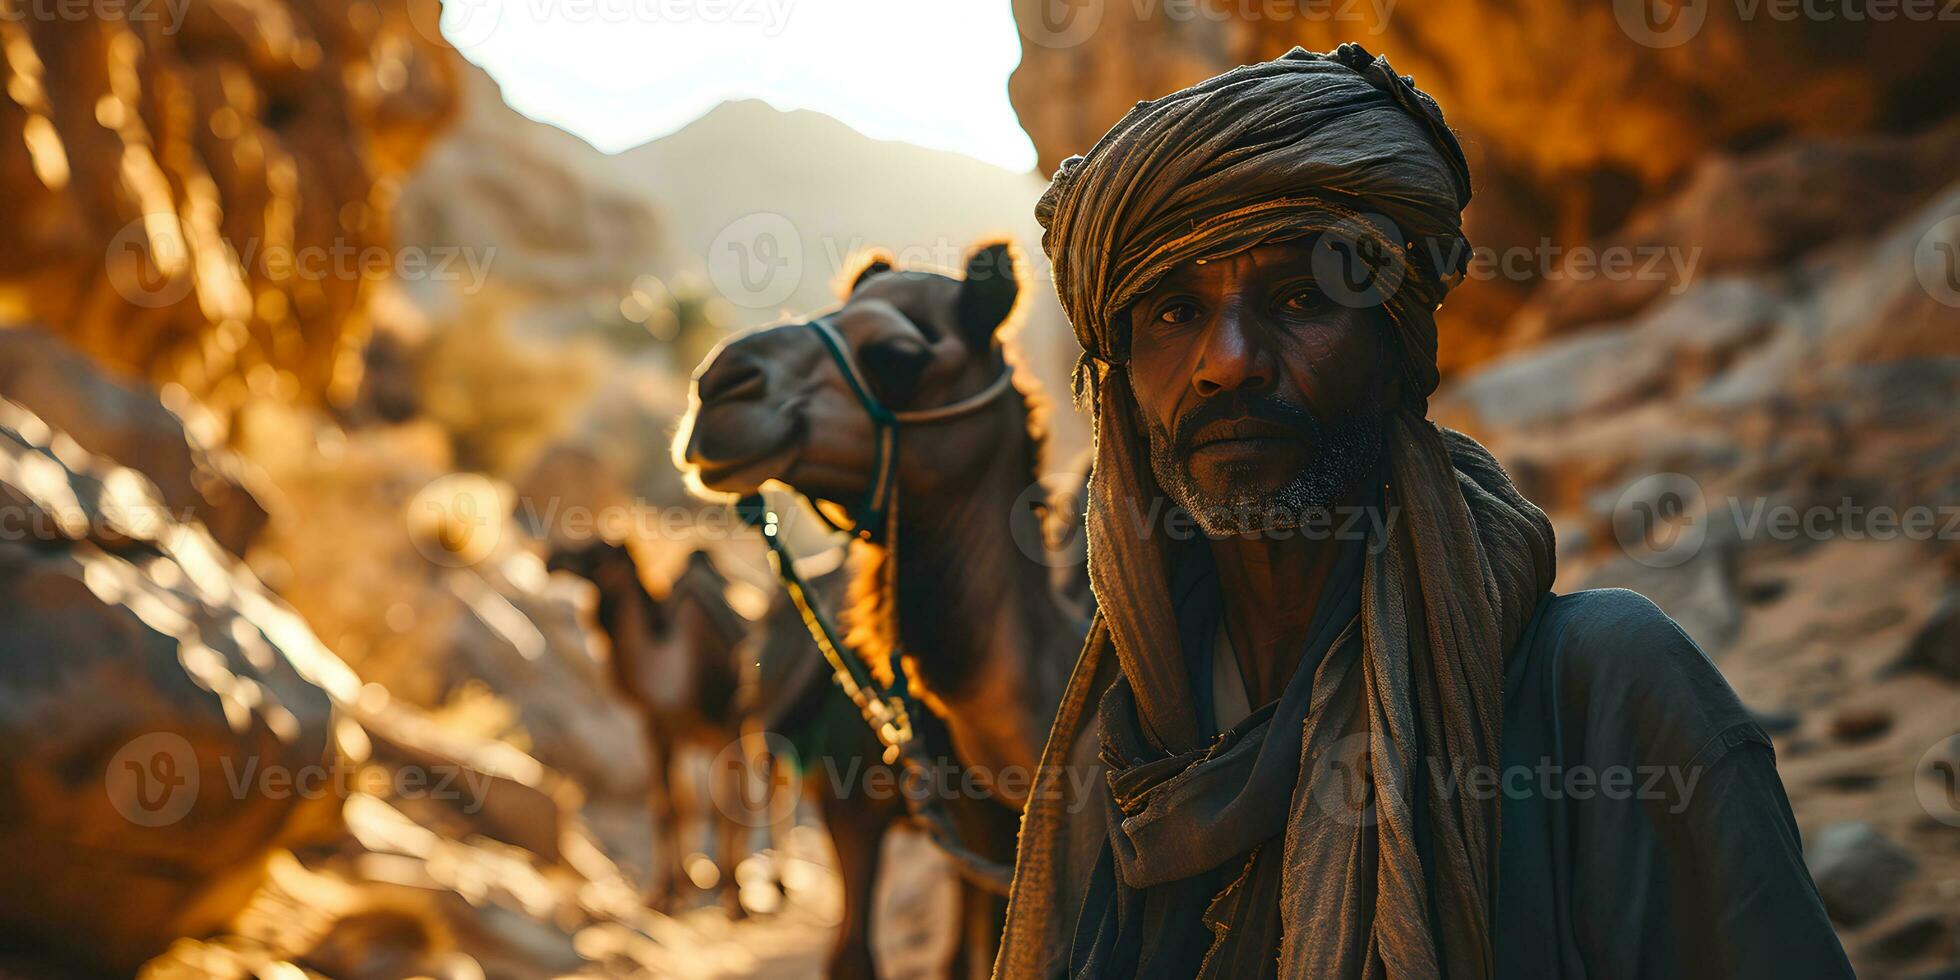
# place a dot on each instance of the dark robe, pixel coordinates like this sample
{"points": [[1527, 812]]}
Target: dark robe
{"points": [[1644, 830]]}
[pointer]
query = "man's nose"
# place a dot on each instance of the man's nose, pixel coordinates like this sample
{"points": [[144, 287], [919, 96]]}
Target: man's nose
{"points": [[1233, 357]]}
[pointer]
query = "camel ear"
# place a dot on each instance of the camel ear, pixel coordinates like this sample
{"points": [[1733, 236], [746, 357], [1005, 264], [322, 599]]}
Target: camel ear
{"points": [[869, 264], [993, 283]]}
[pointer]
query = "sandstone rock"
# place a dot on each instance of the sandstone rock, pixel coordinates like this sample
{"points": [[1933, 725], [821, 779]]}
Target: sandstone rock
{"points": [[163, 712], [129, 424], [1936, 647], [1857, 869], [1912, 938], [165, 179], [1859, 724]]}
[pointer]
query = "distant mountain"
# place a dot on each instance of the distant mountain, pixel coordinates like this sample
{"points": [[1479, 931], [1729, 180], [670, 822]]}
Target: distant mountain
{"points": [[751, 170], [551, 221]]}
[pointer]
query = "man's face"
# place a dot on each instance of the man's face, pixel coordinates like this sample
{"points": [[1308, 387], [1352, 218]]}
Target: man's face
{"points": [[1263, 398]]}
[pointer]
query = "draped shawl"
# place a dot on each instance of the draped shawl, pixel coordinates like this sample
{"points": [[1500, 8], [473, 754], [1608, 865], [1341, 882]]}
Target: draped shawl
{"points": [[1337, 146]]}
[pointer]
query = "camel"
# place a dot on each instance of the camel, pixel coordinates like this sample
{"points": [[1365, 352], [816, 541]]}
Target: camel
{"points": [[790, 694], [987, 641], [675, 660]]}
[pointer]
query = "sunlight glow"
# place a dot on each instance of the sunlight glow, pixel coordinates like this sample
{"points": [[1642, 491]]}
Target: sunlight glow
{"points": [[618, 73]]}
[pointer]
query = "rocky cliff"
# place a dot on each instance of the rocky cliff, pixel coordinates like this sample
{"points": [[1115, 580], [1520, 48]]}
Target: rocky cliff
{"points": [[199, 193], [1574, 115]]}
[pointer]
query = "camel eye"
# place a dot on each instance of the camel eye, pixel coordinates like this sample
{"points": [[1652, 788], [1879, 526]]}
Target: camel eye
{"points": [[895, 365]]}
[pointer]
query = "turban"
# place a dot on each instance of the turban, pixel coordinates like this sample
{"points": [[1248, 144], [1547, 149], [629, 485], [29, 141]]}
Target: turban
{"points": [[1337, 144], [1341, 147]]}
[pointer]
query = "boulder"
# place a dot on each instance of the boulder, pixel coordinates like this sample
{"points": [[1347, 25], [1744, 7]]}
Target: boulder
{"points": [[129, 423], [1936, 646], [1858, 870], [168, 721]]}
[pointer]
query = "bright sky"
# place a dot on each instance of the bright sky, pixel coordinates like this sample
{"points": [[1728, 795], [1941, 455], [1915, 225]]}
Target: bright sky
{"points": [[621, 72]]}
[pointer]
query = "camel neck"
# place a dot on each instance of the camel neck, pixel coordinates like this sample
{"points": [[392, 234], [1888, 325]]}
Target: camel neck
{"points": [[981, 621]]}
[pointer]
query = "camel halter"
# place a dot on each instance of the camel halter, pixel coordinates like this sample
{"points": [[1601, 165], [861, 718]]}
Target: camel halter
{"points": [[888, 710], [868, 519]]}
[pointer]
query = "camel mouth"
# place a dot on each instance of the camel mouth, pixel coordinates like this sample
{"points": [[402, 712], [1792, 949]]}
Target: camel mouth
{"points": [[743, 474]]}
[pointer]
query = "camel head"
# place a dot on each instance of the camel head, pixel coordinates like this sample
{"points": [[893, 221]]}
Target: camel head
{"points": [[771, 404], [606, 564]]}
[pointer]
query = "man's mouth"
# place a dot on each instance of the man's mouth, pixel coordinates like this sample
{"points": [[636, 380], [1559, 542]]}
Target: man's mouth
{"points": [[1241, 438]]}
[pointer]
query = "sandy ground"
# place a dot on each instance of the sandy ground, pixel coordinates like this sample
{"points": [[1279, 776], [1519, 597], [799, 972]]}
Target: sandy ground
{"points": [[912, 937]]}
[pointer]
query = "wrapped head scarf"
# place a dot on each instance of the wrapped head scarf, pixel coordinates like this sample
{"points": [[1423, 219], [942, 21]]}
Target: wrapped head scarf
{"points": [[1341, 147]]}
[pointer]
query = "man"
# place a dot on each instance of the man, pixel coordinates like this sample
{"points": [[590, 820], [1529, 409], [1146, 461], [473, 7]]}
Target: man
{"points": [[1353, 748]]}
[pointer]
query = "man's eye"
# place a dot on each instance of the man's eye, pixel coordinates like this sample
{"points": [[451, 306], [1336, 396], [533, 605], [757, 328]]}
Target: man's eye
{"points": [[1302, 298], [1179, 312]]}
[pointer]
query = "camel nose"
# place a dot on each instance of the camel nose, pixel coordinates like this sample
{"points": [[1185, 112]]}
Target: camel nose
{"points": [[732, 377]]}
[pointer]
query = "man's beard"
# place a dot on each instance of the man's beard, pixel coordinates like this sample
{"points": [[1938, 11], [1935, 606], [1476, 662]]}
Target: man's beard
{"points": [[1340, 455]]}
